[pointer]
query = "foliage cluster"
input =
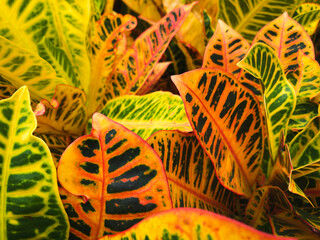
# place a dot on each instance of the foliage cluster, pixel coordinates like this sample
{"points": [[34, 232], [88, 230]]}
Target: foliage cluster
{"points": [[97, 142]]}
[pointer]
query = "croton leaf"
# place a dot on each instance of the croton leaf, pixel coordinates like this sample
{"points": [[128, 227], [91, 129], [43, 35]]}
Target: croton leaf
{"points": [[147, 114], [304, 150], [248, 17], [104, 45], [226, 119], [185, 223], [286, 37], [313, 191], [148, 9], [139, 61], [30, 203], [310, 216], [308, 16], [6, 91], [19, 67], [302, 115], [279, 96], [190, 172], [118, 178], [209, 30], [225, 49]]}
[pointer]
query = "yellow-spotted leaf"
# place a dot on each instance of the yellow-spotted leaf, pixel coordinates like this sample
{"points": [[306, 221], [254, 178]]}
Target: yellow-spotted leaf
{"points": [[304, 150], [30, 203], [227, 121], [279, 96], [302, 115], [225, 49], [209, 30], [148, 9], [139, 61], [117, 176], [189, 224], [286, 37], [248, 17], [190, 172], [104, 46], [289, 225], [308, 16], [19, 67], [68, 117], [147, 114]]}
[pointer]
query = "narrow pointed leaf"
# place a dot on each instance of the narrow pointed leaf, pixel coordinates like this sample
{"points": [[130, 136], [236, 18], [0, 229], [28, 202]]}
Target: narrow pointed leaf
{"points": [[225, 49], [139, 61], [20, 67], [310, 216], [279, 97], [308, 16], [191, 176], [119, 176], [190, 224], [227, 121], [30, 203], [147, 114], [248, 17]]}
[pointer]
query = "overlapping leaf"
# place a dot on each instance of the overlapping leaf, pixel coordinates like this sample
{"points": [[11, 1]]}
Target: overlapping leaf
{"points": [[262, 63], [190, 224], [139, 61], [303, 113], [313, 191], [227, 121], [191, 176], [30, 203], [248, 17], [118, 178], [148, 9], [308, 16]]}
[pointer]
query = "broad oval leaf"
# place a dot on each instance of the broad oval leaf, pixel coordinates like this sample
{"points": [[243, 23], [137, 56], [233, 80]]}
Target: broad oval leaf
{"points": [[147, 114], [226, 119], [279, 96], [308, 16], [119, 176], [225, 49], [30, 204], [139, 61], [190, 172], [185, 223]]}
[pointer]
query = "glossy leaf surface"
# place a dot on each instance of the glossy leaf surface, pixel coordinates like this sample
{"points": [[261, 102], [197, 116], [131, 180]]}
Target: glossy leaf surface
{"points": [[279, 97], [190, 224], [30, 203], [190, 172], [308, 16], [139, 61], [227, 122], [117, 178]]}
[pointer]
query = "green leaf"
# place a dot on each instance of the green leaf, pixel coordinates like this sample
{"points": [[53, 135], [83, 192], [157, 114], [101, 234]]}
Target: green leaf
{"points": [[279, 97], [147, 114], [30, 203], [191, 175], [116, 178], [303, 113], [308, 16]]}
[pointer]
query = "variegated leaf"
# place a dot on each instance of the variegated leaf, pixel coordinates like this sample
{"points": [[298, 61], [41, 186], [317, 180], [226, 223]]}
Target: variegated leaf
{"points": [[304, 150], [286, 37], [19, 67], [185, 223], [311, 217], [279, 97], [313, 191], [150, 10], [6, 91], [147, 114], [190, 172], [227, 121], [30, 203], [68, 117], [104, 46], [248, 17], [302, 115], [225, 49], [118, 178], [308, 16], [209, 30], [139, 61]]}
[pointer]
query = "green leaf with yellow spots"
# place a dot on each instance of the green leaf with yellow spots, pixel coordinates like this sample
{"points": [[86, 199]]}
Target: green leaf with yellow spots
{"points": [[279, 95], [248, 17], [227, 121], [19, 67], [190, 172], [147, 114], [308, 16], [116, 178], [30, 203], [139, 61], [186, 223]]}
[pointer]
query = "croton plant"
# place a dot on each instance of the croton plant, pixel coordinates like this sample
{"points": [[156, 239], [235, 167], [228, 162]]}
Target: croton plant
{"points": [[142, 119]]}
